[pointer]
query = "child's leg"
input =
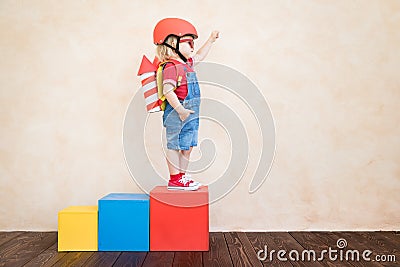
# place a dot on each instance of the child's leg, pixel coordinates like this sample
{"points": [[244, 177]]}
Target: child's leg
{"points": [[173, 161], [184, 157]]}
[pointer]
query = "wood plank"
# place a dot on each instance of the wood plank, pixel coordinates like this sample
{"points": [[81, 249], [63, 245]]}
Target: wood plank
{"points": [[354, 242], [317, 242], [188, 258], [380, 242], [159, 258], [47, 258], [393, 248], [262, 242], [7, 236], [130, 259], [25, 247], [389, 234], [248, 248], [284, 239], [103, 258], [381, 245], [74, 259], [395, 235], [332, 239], [218, 255], [17, 241], [242, 253], [276, 241]]}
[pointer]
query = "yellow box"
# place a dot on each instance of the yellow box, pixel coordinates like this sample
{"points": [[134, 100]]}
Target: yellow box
{"points": [[77, 228]]}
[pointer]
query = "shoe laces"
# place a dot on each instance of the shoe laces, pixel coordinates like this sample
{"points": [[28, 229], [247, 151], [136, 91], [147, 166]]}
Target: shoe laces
{"points": [[183, 180], [187, 177]]}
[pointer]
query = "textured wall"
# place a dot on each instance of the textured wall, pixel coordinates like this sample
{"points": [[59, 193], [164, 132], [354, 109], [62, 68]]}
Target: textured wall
{"points": [[329, 70]]}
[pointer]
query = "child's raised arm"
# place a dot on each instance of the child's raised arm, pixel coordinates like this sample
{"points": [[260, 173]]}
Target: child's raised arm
{"points": [[203, 51]]}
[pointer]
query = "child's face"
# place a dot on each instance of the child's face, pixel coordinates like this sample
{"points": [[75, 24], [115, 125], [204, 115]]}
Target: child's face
{"points": [[186, 46]]}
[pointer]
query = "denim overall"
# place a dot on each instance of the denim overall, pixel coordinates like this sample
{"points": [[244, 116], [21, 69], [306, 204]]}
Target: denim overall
{"points": [[181, 135]]}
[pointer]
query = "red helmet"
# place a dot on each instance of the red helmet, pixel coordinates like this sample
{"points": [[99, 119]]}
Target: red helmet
{"points": [[172, 26]]}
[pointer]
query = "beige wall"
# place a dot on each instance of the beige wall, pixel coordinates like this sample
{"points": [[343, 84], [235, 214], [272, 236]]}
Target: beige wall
{"points": [[329, 70]]}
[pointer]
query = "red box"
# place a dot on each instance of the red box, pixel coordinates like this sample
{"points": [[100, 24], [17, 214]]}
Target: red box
{"points": [[179, 219]]}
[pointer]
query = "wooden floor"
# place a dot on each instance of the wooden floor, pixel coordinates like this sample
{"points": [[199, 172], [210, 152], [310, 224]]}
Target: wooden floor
{"points": [[226, 249]]}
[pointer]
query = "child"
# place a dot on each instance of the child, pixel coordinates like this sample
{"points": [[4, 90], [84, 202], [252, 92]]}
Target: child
{"points": [[175, 43]]}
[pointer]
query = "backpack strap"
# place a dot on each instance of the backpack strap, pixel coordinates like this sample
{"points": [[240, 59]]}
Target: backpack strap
{"points": [[160, 85]]}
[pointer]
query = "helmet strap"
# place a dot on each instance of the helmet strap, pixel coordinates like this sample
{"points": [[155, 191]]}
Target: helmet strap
{"points": [[176, 49]]}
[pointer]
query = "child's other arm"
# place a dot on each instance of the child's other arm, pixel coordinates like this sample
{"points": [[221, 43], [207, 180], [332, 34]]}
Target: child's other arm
{"points": [[203, 51], [174, 102]]}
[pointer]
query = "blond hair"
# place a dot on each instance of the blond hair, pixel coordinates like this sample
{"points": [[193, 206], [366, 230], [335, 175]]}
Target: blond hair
{"points": [[165, 53]]}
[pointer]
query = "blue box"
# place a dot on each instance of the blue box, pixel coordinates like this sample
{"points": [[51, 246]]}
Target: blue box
{"points": [[124, 222]]}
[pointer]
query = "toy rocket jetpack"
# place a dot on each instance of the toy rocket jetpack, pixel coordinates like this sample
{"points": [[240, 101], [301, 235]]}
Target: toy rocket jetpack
{"points": [[148, 78]]}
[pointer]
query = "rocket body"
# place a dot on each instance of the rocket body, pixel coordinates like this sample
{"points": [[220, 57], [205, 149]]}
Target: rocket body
{"points": [[147, 73]]}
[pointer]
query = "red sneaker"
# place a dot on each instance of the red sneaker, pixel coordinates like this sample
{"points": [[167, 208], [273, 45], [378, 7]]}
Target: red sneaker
{"points": [[182, 184]]}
